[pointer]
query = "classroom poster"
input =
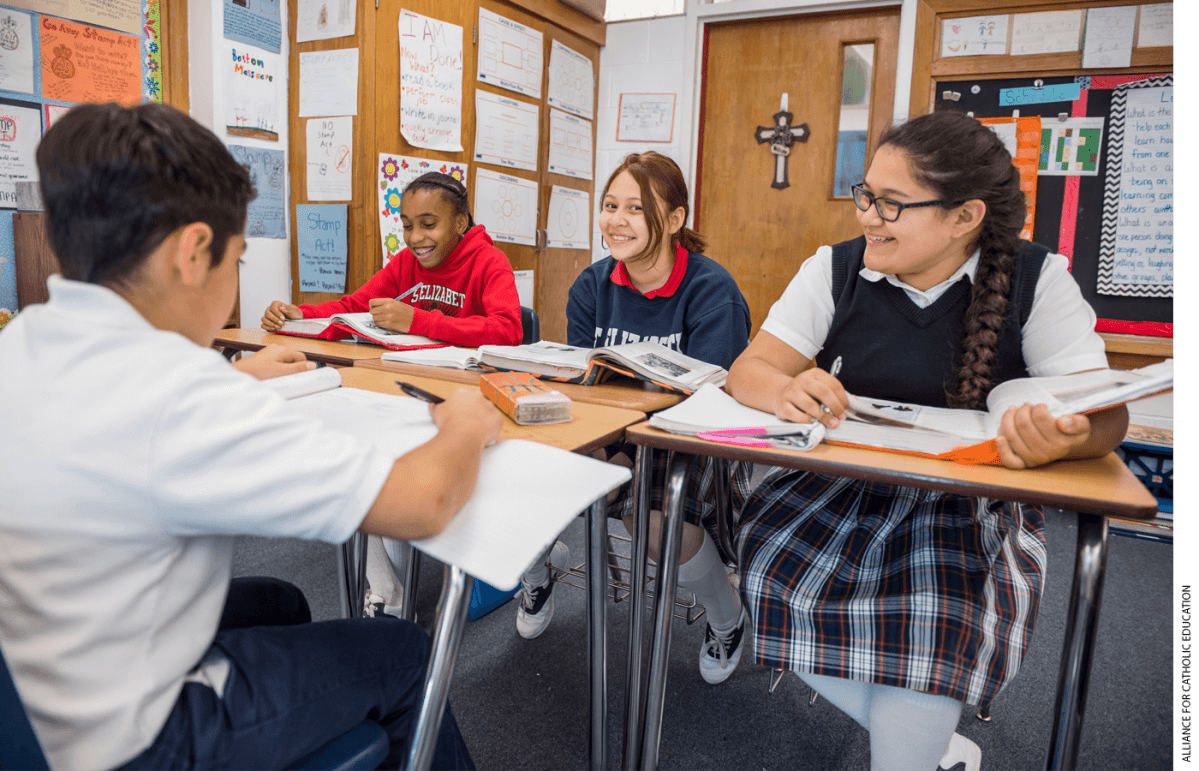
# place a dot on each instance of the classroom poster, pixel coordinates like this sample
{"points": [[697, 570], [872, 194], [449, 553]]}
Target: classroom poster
{"points": [[1107, 41], [1156, 26], [53, 112], [152, 53], [506, 131], [330, 158], [395, 172], [645, 118], [1070, 147], [329, 83], [1049, 32], [506, 206], [20, 132], [1022, 138], [1136, 248], [253, 22], [570, 145], [88, 64], [8, 270], [509, 54], [569, 223], [325, 19], [266, 216], [572, 81], [321, 243], [252, 82], [974, 36], [430, 82], [16, 51], [125, 15]]}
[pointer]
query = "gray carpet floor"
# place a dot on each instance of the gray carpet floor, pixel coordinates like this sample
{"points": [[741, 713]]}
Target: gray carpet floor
{"points": [[522, 704]]}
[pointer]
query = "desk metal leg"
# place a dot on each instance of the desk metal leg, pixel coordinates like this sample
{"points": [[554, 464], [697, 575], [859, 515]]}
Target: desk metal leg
{"points": [[351, 575], [597, 630], [668, 576], [633, 705], [411, 565], [1082, 622], [451, 619]]}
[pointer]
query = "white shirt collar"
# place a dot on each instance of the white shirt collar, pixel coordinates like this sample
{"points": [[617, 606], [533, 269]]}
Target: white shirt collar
{"points": [[925, 298], [94, 302]]}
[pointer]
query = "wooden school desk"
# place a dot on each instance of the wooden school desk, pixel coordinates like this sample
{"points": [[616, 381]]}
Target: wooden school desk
{"points": [[338, 353], [592, 426], [1095, 489], [627, 393]]}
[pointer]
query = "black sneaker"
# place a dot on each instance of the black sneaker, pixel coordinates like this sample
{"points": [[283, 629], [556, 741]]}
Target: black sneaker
{"points": [[720, 653], [537, 602]]}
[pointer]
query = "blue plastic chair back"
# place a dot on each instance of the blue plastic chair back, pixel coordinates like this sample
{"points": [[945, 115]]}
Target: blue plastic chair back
{"points": [[362, 748], [19, 747], [530, 327]]}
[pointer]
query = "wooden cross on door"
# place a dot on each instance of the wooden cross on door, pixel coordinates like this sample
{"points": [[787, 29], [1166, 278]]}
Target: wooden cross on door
{"points": [[781, 136]]}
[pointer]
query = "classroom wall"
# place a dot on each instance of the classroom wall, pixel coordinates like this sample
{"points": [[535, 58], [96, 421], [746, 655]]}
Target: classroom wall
{"points": [[266, 267]]}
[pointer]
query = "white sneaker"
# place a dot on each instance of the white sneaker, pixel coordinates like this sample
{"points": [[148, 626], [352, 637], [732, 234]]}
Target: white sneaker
{"points": [[720, 653], [537, 602], [961, 755], [372, 605]]}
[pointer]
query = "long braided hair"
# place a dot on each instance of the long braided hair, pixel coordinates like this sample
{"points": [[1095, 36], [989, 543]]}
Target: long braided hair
{"points": [[962, 160]]}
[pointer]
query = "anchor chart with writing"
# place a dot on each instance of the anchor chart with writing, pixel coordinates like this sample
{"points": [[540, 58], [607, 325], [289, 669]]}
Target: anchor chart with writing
{"points": [[781, 136]]}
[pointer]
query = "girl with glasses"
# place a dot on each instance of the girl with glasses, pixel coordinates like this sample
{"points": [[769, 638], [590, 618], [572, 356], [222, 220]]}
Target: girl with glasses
{"points": [[900, 605]]}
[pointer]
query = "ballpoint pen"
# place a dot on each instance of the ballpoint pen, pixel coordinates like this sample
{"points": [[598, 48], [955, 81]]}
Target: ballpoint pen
{"points": [[402, 295], [833, 370], [419, 393]]}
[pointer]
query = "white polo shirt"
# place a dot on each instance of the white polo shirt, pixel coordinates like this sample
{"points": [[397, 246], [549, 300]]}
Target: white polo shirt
{"points": [[1059, 337], [132, 458]]}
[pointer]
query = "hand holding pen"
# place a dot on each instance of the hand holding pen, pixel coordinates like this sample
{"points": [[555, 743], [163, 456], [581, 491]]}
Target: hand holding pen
{"points": [[814, 394], [396, 314], [465, 410]]}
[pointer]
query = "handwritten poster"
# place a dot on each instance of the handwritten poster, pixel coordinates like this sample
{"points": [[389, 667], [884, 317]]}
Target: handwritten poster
{"points": [[395, 172], [53, 112], [1136, 250], [1070, 147], [569, 223], [267, 214], [506, 206], [329, 83], [1050, 32], [509, 54], [1108, 39], [506, 131], [330, 158], [253, 22], [974, 36], [88, 64], [16, 51], [252, 82], [572, 81], [321, 243], [570, 145], [1156, 27], [325, 19], [646, 118], [430, 82], [125, 15], [20, 131]]}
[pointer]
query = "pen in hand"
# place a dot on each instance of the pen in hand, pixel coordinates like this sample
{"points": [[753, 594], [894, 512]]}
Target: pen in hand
{"points": [[419, 393], [402, 295], [834, 371]]}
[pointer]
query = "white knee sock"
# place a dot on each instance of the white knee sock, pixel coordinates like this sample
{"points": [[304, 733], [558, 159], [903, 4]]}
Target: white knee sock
{"points": [[539, 573], [381, 572], [704, 574]]}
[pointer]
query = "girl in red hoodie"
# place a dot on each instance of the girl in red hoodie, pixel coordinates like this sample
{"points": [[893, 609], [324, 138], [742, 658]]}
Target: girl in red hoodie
{"points": [[450, 284]]}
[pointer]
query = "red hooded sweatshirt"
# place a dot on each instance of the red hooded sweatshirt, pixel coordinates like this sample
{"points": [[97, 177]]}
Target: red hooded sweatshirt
{"points": [[469, 299]]}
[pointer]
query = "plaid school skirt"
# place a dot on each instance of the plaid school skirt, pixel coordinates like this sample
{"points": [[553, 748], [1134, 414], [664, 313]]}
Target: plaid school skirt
{"points": [[888, 584]]}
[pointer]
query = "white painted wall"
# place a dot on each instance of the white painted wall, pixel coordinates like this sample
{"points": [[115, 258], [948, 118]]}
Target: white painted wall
{"points": [[266, 268]]}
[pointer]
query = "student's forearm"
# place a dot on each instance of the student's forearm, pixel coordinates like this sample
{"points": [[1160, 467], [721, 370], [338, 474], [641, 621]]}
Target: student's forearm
{"points": [[1108, 428], [756, 383]]}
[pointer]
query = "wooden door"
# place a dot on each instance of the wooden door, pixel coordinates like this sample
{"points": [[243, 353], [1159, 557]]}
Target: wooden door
{"points": [[760, 233]]}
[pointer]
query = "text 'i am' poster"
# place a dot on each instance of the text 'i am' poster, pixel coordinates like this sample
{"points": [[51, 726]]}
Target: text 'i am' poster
{"points": [[430, 82], [89, 64], [321, 243]]}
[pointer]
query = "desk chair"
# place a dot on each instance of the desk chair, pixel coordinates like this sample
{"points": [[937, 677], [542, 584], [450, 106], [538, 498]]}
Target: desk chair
{"points": [[530, 327], [363, 747]]}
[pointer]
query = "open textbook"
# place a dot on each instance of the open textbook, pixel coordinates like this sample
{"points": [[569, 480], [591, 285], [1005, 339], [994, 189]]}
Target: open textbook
{"points": [[645, 360], [361, 326], [450, 356], [502, 528], [966, 436]]}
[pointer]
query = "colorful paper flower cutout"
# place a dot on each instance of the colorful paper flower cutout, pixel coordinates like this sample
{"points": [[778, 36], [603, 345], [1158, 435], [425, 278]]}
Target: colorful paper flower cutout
{"points": [[457, 172], [391, 243], [391, 201], [390, 169]]}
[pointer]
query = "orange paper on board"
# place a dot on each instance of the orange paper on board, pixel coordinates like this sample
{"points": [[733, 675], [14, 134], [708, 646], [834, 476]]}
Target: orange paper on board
{"points": [[1028, 148], [81, 63]]}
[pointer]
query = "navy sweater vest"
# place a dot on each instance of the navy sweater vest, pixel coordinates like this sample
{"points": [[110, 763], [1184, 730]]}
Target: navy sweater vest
{"points": [[890, 348]]}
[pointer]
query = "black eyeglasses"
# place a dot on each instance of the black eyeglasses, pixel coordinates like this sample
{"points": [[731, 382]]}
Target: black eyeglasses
{"points": [[888, 209]]}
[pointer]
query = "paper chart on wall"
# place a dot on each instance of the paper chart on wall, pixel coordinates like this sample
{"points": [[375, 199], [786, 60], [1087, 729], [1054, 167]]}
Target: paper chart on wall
{"points": [[430, 82], [1136, 247], [1050, 32], [1022, 138], [321, 246], [1108, 37], [266, 216], [1156, 27], [570, 145], [509, 54], [1070, 147], [325, 19], [252, 92], [330, 158], [329, 83], [254, 22], [506, 206], [569, 223], [572, 81], [646, 118], [395, 172], [16, 51], [20, 132], [506, 131], [89, 64], [974, 36], [525, 286], [125, 15]]}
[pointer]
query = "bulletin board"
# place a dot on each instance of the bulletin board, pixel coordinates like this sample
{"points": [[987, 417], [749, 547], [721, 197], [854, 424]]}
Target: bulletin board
{"points": [[1069, 214]]}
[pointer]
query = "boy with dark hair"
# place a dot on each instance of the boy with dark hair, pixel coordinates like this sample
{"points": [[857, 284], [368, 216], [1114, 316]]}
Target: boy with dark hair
{"points": [[142, 453]]}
